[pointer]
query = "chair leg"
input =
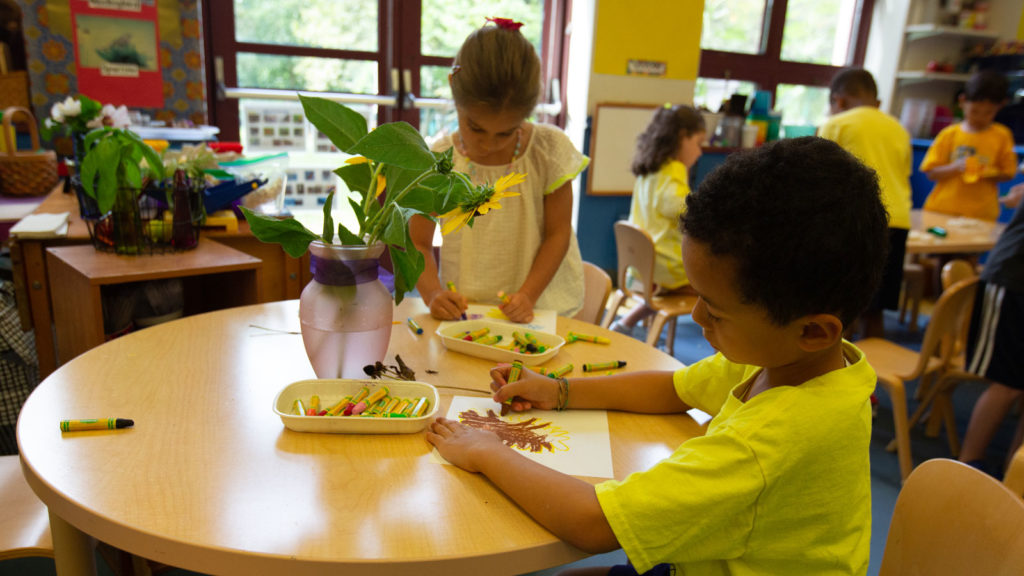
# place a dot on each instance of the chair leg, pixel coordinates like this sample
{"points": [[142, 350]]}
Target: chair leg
{"points": [[670, 340], [657, 323], [898, 396], [949, 420], [613, 308]]}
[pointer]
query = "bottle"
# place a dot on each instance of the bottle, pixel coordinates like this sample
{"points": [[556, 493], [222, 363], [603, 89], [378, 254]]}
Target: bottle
{"points": [[183, 235]]}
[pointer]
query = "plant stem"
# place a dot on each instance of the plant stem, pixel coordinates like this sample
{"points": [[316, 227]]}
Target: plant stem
{"points": [[370, 195], [375, 222]]}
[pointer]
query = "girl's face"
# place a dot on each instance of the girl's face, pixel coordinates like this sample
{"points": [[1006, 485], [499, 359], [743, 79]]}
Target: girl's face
{"points": [[689, 149], [488, 137]]}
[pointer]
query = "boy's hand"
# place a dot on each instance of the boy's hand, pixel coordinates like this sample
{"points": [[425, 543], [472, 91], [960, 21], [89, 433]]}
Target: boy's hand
{"points": [[531, 390], [447, 305], [1013, 197], [518, 307], [458, 444]]}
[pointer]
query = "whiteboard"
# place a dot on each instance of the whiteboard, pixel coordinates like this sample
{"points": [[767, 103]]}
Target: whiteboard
{"points": [[613, 134]]}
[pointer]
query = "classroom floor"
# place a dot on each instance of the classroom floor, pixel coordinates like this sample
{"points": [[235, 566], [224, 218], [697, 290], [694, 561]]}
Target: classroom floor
{"points": [[691, 346]]}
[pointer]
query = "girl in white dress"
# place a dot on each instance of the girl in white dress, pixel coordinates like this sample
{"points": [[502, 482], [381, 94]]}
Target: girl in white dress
{"points": [[527, 250]]}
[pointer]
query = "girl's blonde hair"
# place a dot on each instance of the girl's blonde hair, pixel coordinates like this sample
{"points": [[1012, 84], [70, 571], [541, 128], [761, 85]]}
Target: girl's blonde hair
{"points": [[498, 68], [663, 136]]}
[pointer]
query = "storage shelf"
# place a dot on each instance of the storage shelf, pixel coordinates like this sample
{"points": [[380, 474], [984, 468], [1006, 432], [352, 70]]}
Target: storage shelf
{"points": [[917, 31]]}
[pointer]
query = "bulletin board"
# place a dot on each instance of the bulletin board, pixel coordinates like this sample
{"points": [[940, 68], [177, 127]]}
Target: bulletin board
{"points": [[613, 133]]}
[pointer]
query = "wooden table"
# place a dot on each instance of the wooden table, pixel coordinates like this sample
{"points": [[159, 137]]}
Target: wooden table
{"points": [[977, 237], [210, 480]]}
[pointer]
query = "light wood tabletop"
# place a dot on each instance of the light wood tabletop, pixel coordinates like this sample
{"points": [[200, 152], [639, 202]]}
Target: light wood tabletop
{"points": [[209, 479], [963, 235]]}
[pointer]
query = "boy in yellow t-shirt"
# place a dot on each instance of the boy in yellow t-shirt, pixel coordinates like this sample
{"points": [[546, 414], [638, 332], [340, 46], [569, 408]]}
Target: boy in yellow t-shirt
{"points": [[784, 245], [881, 142], [967, 160]]}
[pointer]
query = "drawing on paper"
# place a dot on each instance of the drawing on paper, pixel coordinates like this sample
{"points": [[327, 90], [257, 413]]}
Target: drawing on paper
{"points": [[527, 434]]}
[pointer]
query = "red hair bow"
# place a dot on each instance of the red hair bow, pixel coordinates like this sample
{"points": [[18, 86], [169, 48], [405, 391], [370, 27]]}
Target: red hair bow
{"points": [[506, 23]]}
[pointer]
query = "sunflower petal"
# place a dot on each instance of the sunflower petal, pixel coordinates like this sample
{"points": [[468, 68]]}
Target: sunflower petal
{"points": [[509, 180], [382, 183], [357, 160], [453, 224]]}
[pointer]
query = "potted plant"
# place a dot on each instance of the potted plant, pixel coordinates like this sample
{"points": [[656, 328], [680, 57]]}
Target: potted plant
{"points": [[113, 176], [345, 311]]}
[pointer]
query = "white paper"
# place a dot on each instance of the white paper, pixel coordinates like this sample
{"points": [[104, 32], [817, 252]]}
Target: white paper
{"points": [[543, 320], [574, 442], [41, 226]]}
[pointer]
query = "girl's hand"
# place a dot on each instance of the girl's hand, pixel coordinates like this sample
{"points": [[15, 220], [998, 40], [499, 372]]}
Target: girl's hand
{"points": [[458, 443], [531, 390], [1013, 197], [518, 308], [447, 305]]}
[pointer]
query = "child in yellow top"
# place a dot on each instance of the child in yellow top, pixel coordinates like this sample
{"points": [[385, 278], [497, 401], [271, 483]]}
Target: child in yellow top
{"points": [[881, 142], [967, 160], [666, 151], [784, 245]]}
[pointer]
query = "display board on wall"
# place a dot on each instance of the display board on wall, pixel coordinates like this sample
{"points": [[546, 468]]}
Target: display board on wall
{"points": [[613, 133]]}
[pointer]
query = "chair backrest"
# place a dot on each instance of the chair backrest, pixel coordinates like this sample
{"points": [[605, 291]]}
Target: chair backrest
{"points": [[597, 285], [953, 519], [635, 249], [955, 271], [945, 333]]}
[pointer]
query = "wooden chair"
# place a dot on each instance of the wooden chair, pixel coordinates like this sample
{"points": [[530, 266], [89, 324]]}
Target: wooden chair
{"points": [[913, 293], [939, 353], [635, 249], [953, 519], [1014, 478], [597, 286], [25, 521]]}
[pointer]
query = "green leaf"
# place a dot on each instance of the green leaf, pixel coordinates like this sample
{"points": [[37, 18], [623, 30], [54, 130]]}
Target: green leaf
{"points": [[328, 219], [408, 264], [357, 208], [342, 125], [457, 193], [396, 228], [356, 177], [348, 238], [398, 144], [293, 237]]}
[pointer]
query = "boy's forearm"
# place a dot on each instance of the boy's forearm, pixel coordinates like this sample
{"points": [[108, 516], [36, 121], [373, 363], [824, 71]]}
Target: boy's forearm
{"points": [[648, 392], [566, 506]]}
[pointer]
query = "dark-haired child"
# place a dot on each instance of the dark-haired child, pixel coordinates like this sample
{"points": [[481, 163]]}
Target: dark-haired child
{"points": [[527, 250], [880, 142], [967, 160], [665, 152], [784, 246]]}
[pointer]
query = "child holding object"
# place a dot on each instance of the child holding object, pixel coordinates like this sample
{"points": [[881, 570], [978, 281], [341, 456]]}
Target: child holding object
{"points": [[527, 249], [784, 245], [879, 141], [967, 160], [666, 151]]}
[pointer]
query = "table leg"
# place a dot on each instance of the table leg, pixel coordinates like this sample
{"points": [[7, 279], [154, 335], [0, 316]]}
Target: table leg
{"points": [[73, 550]]}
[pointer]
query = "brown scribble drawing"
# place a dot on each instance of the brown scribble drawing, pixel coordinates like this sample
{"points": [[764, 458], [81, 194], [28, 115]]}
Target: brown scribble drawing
{"points": [[530, 434]]}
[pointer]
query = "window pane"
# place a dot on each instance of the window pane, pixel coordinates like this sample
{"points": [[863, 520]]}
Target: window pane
{"points": [[818, 31], [733, 25], [306, 73], [710, 92], [339, 24], [802, 105], [446, 23]]}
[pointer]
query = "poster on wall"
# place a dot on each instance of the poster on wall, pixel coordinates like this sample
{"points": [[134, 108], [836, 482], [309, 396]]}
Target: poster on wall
{"points": [[116, 51]]}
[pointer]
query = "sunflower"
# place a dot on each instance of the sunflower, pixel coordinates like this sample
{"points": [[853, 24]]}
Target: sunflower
{"points": [[484, 199]]}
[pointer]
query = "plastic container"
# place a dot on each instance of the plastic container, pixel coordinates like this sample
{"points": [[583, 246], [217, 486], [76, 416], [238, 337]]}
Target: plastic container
{"points": [[332, 390], [268, 198], [451, 337]]}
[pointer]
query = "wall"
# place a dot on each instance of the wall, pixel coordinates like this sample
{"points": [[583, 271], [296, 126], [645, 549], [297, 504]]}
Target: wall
{"points": [[51, 58], [649, 30]]}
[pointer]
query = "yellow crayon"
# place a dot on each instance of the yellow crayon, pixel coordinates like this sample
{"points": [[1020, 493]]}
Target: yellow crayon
{"points": [[377, 395], [515, 371], [340, 406], [562, 371], [598, 366], [451, 286], [538, 369], [478, 334], [519, 339], [414, 326], [531, 338], [96, 424], [378, 407], [504, 297], [391, 405], [419, 408], [574, 336], [298, 408], [314, 404], [361, 395], [490, 341], [402, 406]]}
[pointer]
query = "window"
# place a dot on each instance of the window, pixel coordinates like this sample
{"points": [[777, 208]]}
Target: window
{"points": [[791, 48]]}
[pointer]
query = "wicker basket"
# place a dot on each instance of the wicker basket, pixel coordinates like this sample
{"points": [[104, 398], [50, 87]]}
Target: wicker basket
{"points": [[25, 173], [14, 89]]}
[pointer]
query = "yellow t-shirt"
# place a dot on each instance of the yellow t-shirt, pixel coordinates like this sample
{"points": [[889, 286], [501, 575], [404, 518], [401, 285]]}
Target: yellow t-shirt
{"points": [[993, 147], [780, 484], [880, 142], [658, 200]]}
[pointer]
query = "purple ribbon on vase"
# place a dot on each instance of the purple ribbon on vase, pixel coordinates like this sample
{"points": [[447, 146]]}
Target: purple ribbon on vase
{"points": [[342, 272]]}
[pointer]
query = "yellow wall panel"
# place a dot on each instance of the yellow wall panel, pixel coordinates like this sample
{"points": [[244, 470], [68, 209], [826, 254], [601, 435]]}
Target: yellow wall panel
{"points": [[648, 30]]}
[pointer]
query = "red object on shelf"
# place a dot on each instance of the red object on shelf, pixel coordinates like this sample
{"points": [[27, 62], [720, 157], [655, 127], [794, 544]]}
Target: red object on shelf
{"points": [[219, 147]]}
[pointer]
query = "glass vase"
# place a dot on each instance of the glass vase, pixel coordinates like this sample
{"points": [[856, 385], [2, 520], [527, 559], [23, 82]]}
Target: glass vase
{"points": [[345, 311]]}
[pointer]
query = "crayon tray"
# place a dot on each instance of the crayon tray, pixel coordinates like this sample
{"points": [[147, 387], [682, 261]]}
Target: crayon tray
{"points": [[332, 391], [452, 338]]}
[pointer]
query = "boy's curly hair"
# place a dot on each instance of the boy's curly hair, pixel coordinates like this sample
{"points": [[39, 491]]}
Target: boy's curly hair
{"points": [[987, 86], [663, 136], [803, 220]]}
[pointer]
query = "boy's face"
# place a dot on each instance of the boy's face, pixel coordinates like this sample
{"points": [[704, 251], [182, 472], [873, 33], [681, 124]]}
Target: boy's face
{"points": [[742, 332], [979, 114]]}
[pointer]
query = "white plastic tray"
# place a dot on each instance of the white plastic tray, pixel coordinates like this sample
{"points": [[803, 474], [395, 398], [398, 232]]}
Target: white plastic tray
{"points": [[331, 391], [451, 337]]}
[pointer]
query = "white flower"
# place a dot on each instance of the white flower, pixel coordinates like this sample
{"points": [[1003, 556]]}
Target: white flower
{"points": [[110, 116], [66, 109]]}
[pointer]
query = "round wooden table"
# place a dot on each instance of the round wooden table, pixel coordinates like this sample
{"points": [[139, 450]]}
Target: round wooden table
{"points": [[210, 480]]}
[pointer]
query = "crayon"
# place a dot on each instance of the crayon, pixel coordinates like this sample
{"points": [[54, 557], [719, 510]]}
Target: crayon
{"points": [[95, 424], [597, 366], [513, 374], [402, 406], [340, 406], [575, 336], [504, 297], [391, 405], [490, 340], [414, 326], [361, 395], [477, 334], [314, 404], [419, 408], [356, 409], [377, 395], [562, 371], [451, 288], [298, 408]]}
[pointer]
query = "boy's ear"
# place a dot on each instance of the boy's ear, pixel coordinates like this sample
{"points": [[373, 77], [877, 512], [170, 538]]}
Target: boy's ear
{"points": [[820, 331]]}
